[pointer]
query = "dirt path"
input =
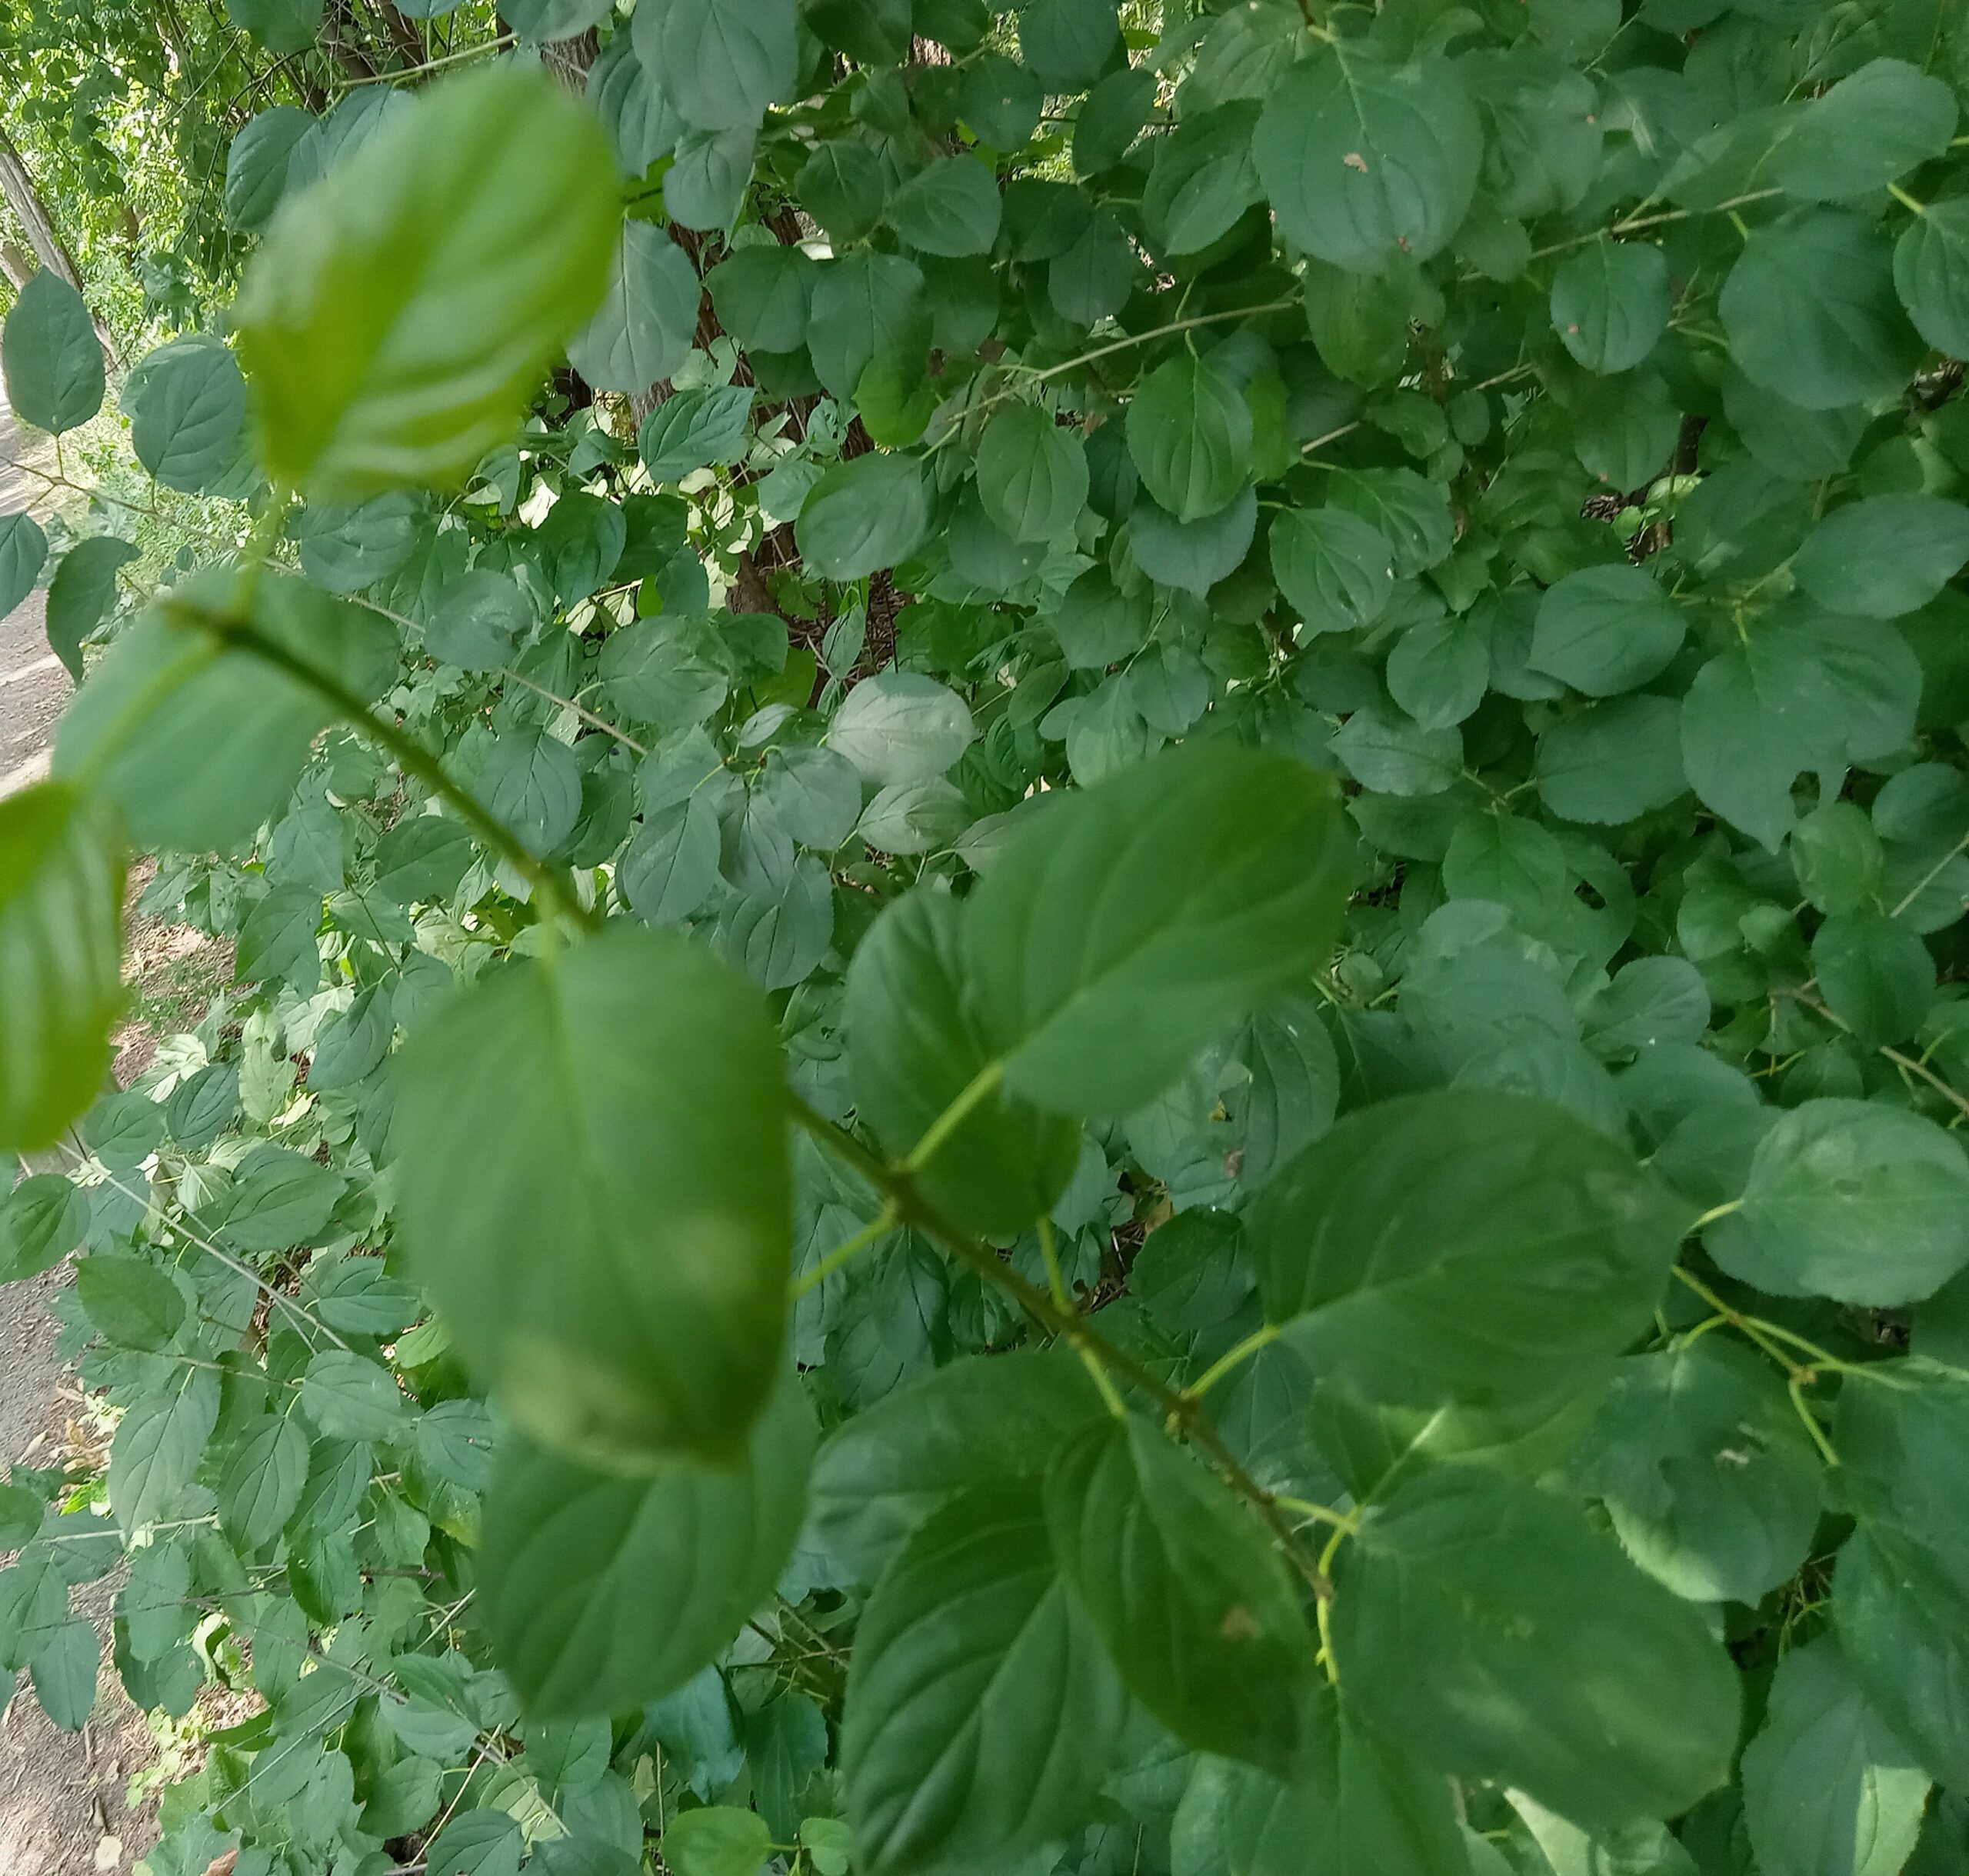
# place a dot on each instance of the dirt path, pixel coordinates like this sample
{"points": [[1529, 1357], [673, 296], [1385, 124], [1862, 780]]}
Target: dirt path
{"points": [[62, 1794]]}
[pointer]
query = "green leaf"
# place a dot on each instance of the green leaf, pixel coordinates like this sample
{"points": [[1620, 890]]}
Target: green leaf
{"points": [[896, 726], [84, 589], [604, 1592], [864, 515], [980, 1421], [1610, 302], [1712, 1485], [917, 1046], [764, 296], [23, 551], [1194, 1605], [723, 62], [1479, 1247], [1410, 514], [159, 1444], [1365, 161], [1484, 1624], [478, 622], [1852, 1200], [1216, 875], [1605, 630], [1357, 1801], [1931, 274], [1189, 434], [1874, 125], [186, 403], [644, 330], [256, 164], [951, 208], [43, 1219], [1334, 568], [718, 1840], [1900, 1590], [61, 939], [279, 1198], [131, 1303], [262, 1483], [691, 429], [199, 743], [390, 339], [349, 1397], [1875, 975], [476, 1843], [65, 1668], [982, 1713], [1828, 1790], [539, 1107], [1032, 477], [1810, 313], [1612, 762], [1884, 555], [52, 358], [1202, 180]]}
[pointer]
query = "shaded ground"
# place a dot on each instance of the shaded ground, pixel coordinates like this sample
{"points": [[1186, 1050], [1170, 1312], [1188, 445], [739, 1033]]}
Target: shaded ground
{"points": [[62, 1812]]}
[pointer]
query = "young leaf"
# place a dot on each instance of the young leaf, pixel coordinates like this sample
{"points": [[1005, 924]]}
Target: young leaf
{"points": [[1183, 1586], [1201, 881], [1485, 1625], [553, 1105], [604, 1592], [401, 310]]}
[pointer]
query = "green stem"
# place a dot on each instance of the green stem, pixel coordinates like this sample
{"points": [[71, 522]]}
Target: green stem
{"points": [[1258, 1338], [1795, 1388], [980, 1085], [876, 1229], [410, 755], [1184, 1414]]}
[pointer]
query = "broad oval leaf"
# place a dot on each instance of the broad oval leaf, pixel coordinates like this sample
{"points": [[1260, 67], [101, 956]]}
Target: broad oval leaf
{"points": [[536, 1110], [1849, 1199], [1484, 1623], [982, 1714], [402, 310], [1478, 1247], [1196, 1607], [61, 863], [1367, 161], [1202, 880], [52, 358], [603, 1592]]}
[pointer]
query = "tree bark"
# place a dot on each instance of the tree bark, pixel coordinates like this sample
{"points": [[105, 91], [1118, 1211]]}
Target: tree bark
{"points": [[29, 210]]}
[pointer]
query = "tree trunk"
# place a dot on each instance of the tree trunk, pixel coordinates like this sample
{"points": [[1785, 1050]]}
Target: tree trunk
{"points": [[25, 199]]}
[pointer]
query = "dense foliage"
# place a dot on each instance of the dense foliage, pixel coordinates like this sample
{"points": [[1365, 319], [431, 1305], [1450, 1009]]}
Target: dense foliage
{"points": [[1097, 884]]}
